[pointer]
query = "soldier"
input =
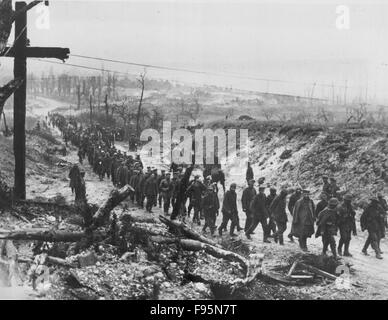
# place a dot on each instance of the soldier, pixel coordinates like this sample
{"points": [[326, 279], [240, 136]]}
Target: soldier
{"points": [[100, 167], [327, 226], [249, 174], [106, 164], [166, 189], [322, 204], [271, 223], [384, 205], [260, 214], [334, 188], [159, 180], [229, 210], [151, 191], [113, 168], [195, 191], [346, 224], [326, 187], [291, 204], [175, 189], [303, 219], [247, 196], [370, 220], [133, 182], [74, 175], [141, 185], [122, 175], [139, 189], [210, 207], [279, 215]]}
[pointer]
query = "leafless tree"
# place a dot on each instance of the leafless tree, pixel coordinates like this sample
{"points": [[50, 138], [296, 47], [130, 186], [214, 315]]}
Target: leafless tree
{"points": [[324, 115], [358, 113], [125, 111], [268, 113]]}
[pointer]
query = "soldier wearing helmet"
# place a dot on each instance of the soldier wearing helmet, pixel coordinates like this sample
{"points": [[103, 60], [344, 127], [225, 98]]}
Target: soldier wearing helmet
{"points": [[327, 226], [346, 224]]}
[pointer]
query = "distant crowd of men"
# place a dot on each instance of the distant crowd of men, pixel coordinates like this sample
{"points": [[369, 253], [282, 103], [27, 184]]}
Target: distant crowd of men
{"points": [[334, 212]]}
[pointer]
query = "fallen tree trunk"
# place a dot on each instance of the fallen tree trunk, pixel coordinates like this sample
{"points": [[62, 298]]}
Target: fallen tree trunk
{"points": [[116, 196], [180, 228], [60, 262], [194, 245], [48, 235]]}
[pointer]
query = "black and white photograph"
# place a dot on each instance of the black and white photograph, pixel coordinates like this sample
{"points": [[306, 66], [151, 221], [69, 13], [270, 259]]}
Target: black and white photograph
{"points": [[192, 154]]}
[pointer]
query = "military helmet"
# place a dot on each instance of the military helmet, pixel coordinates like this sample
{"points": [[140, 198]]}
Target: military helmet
{"points": [[347, 197], [333, 202]]}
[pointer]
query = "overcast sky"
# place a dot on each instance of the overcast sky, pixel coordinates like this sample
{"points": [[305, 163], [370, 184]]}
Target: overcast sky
{"points": [[296, 41]]}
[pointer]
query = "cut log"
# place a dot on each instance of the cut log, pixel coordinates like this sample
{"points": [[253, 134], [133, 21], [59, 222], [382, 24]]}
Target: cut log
{"points": [[163, 240], [116, 196], [47, 235], [180, 229], [318, 271], [60, 262]]}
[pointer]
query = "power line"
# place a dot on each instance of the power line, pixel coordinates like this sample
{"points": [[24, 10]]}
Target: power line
{"points": [[79, 66], [235, 75]]}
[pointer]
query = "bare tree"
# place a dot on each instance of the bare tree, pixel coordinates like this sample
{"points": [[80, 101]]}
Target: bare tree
{"points": [[121, 109], [324, 115], [358, 114], [268, 113]]}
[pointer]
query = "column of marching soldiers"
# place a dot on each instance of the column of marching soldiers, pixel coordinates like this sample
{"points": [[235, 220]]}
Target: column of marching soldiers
{"points": [[334, 212]]}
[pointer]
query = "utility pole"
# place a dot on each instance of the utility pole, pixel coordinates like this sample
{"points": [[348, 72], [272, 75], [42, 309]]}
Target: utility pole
{"points": [[20, 52]]}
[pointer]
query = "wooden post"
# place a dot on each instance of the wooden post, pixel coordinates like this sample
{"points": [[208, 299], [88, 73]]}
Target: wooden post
{"points": [[21, 52], [19, 109]]}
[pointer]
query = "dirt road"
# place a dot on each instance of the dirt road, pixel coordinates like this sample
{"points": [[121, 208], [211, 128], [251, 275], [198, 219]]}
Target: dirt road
{"points": [[368, 271]]}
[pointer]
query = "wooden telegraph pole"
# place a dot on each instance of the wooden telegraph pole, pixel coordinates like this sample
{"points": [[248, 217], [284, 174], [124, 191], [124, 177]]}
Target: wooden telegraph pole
{"points": [[20, 52]]}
